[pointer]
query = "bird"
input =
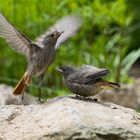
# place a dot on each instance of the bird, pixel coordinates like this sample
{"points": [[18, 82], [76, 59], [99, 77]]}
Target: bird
{"points": [[40, 53], [87, 80]]}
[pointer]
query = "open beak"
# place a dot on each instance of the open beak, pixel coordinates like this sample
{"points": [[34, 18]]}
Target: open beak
{"points": [[59, 33], [59, 70]]}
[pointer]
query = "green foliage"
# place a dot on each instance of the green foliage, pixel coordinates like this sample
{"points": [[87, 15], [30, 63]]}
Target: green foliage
{"points": [[130, 59], [134, 6], [104, 39]]}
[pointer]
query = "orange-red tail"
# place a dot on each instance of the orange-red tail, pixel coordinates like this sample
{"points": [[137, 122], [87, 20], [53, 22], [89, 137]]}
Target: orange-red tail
{"points": [[22, 84]]}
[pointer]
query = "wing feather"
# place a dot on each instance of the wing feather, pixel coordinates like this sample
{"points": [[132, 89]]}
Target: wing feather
{"points": [[69, 25], [88, 74], [14, 37]]}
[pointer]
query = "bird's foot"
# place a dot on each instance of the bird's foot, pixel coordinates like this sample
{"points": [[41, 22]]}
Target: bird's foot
{"points": [[40, 101], [77, 97], [90, 99], [95, 99], [86, 98]]}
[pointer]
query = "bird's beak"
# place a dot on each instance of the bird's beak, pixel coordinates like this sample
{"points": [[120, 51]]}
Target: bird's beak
{"points": [[59, 33], [59, 70]]}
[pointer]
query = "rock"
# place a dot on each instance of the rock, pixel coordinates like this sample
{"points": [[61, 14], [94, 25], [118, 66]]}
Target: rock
{"points": [[67, 118], [7, 97], [127, 95]]}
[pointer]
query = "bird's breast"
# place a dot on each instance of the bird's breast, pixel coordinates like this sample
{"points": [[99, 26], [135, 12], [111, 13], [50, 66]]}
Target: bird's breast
{"points": [[40, 62]]}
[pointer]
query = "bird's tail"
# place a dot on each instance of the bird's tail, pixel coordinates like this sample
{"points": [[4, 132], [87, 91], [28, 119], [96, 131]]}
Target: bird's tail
{"points": [[22, 84], [109, 85]]}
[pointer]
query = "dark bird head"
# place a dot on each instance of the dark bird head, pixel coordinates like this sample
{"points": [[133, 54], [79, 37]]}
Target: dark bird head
{"points": [[66, 70], [51, 38]]}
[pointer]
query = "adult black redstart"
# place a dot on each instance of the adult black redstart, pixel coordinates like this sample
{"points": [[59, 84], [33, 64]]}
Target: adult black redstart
{"points": [[41, 53], [87, 80]]}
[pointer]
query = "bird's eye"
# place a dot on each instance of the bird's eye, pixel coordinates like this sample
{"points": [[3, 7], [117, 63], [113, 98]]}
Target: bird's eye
{"points": [[52, 35]]}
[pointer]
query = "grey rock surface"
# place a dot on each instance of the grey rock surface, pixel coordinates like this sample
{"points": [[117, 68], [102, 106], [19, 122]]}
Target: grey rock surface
{"points": [[7, 97], [67, 118]]}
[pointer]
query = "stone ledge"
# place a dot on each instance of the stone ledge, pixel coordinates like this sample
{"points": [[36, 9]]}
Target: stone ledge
{"points": [[67, 118]]}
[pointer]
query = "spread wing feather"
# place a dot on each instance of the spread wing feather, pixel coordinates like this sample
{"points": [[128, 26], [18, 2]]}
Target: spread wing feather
{"points": [[14, 37], [69, 25]]}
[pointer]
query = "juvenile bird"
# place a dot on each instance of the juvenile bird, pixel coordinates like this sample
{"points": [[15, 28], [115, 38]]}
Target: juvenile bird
{"points": [[41, 53], [87, 80]]}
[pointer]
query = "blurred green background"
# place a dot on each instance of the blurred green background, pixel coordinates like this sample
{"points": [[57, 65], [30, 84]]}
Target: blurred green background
{"points": [[109, 38]]}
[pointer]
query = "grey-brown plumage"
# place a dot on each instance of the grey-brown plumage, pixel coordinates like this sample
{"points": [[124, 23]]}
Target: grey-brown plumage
{"points": [[87, 80], [41, 53]]}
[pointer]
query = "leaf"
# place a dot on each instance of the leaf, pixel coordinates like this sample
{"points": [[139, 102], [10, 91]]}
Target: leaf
{"points": [[129, 60]]}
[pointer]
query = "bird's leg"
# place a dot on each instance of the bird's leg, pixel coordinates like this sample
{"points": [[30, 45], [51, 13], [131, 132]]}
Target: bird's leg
{"points": [[90, 99], [25, 86], [78, 97], [86, 98], [22, 95], [40, 79], [95, 97]]}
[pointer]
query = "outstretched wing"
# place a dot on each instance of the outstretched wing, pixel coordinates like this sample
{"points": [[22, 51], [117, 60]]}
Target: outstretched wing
{"points": [[69, 25], [15, 38], [88, 74]]}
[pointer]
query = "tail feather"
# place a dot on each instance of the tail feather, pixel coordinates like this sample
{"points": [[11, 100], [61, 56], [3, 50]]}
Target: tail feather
{"points": [[114, 85], [108, 85], [22, 84]]}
